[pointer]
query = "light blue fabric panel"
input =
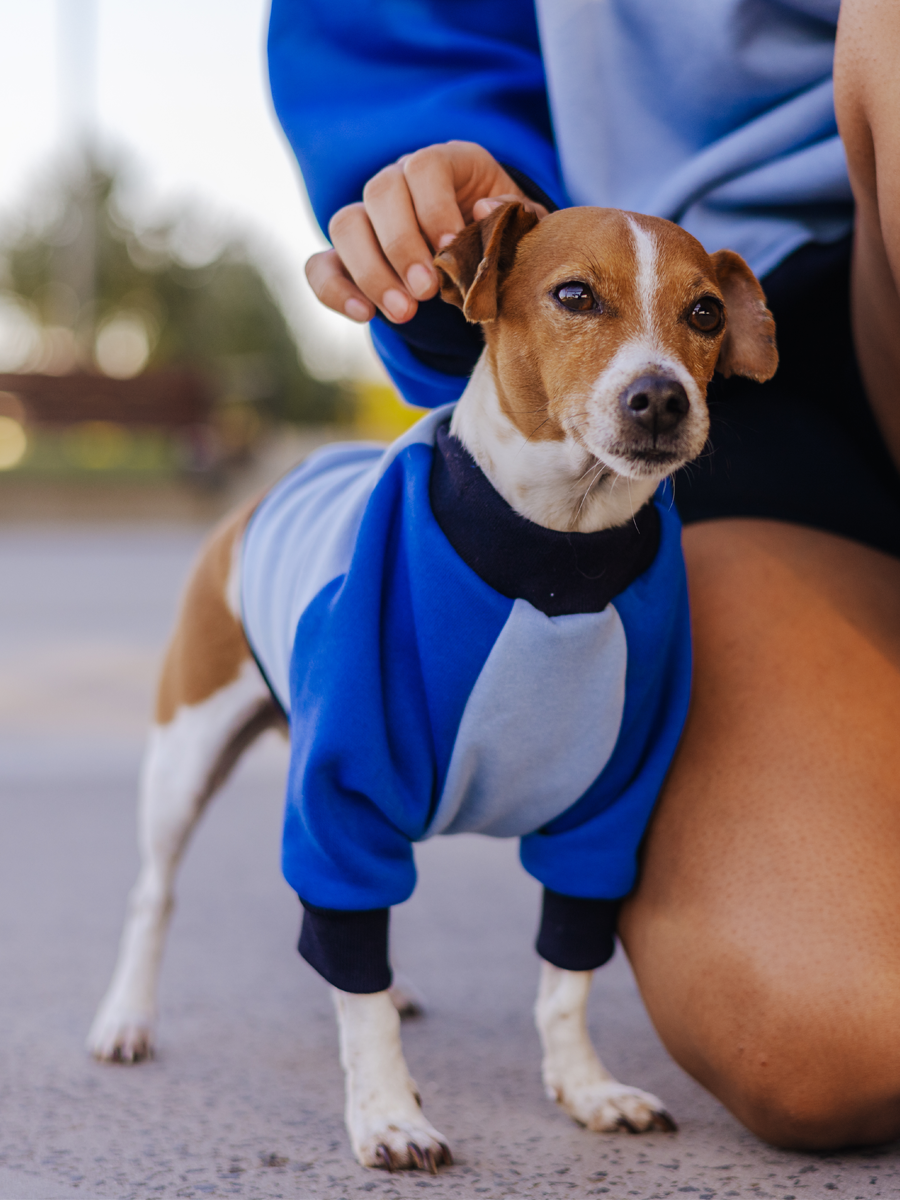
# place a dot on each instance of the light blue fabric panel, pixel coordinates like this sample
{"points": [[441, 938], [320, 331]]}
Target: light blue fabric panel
{"points": [[540, 724], [717, 114], [302, 537]]}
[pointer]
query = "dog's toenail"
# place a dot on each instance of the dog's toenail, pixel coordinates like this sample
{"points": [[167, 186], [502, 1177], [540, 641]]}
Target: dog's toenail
{"points": [[416, 1155]]}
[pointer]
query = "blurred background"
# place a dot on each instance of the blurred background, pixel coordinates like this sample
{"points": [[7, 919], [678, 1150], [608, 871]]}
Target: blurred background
{"points": [[161, 354]]}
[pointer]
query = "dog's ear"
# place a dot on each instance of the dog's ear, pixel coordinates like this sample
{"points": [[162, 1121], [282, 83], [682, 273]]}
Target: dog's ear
{"points": [[474, 263], [748, 347]]}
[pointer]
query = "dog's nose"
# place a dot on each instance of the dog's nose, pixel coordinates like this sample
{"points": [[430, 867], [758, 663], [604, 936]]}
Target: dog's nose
{"points": [[655, 402]]}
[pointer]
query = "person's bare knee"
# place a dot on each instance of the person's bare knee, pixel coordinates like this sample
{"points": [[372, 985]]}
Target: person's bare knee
{"points": [[805, 1058], [804, 1084]]}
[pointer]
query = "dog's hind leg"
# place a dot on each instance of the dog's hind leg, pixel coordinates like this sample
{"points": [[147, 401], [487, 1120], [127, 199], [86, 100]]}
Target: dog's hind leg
{"points": [[573, 1074], [212, 703], [384, 1114]]}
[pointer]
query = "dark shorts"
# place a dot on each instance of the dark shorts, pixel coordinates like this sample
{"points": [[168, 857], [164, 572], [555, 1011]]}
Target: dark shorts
{"points": [[803, 447]]}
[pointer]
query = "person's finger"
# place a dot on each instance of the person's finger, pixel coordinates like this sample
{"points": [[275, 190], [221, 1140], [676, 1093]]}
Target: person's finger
{"points": [[335, 289], [430, 175], [389, 207], [354, 240], [487, 204], [478, 175]]}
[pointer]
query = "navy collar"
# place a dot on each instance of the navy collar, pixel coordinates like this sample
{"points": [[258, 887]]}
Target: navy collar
{"points": [[558, 573]]}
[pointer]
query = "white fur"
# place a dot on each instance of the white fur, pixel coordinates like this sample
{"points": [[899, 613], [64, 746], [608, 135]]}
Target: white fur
{"points": [[558, 484], [646, 275], [382, 1103], [573, 1074], [175, 779]]}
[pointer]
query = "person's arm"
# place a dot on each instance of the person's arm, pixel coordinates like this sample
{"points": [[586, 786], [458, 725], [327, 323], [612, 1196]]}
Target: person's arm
{"points": [[358, 84], [867, 101], [452, 90]]}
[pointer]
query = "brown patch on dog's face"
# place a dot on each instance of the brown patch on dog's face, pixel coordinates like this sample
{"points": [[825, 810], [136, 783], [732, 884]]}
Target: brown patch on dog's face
{"points": [[608, 327]]}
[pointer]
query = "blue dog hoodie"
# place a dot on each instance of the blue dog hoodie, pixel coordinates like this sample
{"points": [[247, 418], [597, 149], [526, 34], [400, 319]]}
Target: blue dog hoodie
{"points": [[448, 666]]}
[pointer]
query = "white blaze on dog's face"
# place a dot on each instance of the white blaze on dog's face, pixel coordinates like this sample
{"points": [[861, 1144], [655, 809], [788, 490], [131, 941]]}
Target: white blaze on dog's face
{"points": [[604, 328]]}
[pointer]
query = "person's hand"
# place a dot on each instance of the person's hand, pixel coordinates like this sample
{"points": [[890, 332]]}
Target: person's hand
{"points": [[383, 247]]}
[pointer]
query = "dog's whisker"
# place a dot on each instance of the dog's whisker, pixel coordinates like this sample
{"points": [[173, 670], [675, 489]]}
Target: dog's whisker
{"points": [[533, 433], [631, 505], [600, 468], [591, 466]]}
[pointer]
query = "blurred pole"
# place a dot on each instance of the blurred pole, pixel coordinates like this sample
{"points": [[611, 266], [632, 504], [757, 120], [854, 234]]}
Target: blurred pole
{"points": [[77, 48], [77, 27]]}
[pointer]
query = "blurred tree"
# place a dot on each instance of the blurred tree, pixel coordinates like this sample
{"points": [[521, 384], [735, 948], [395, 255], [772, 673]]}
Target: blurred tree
{"points": [[107, 294]]}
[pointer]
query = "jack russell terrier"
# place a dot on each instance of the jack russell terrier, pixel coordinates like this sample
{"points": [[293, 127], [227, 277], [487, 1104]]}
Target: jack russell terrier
{"points": [[483, 627]]}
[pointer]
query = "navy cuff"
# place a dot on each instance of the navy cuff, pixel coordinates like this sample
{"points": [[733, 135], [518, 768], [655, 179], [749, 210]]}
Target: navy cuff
{"points": [[577, 934], [440, 337], [348, 949]]}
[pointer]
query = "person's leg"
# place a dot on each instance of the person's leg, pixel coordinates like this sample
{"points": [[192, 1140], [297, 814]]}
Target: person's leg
{"points": [[765, 932], [867, 96]]}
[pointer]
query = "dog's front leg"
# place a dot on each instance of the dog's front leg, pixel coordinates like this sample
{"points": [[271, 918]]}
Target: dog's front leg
{"points": [[384, 1116], [573, 1074]]}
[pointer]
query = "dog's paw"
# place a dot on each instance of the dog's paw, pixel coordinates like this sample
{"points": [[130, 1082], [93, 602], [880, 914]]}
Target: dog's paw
{"points": [[612, 1107], [123, 1040], [398, 1145]]}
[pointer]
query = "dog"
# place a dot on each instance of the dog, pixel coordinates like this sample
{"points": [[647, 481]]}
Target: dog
{"points": [[482, 627]]}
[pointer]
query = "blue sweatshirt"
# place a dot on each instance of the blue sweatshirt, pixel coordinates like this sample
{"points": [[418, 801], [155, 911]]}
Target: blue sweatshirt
{"points": [[716, 114], [449, 666]]}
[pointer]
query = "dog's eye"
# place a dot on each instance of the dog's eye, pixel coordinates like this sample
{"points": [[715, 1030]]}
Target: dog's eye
{"points": [[706, 315], [576, 297]]}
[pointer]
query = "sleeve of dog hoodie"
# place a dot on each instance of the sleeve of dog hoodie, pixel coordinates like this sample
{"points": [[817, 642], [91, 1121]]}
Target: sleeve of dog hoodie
{"points": [[355, 85]]}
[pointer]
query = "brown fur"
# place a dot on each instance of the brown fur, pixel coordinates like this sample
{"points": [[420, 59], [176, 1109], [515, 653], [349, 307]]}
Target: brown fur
{"points": [[749, 345], [208, 647]]}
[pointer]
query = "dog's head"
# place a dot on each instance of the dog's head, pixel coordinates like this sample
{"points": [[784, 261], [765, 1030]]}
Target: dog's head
{"points": [[606, 327]]}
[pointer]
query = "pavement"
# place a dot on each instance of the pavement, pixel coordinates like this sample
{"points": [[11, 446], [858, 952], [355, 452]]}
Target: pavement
{"points": [[245, 1096]]}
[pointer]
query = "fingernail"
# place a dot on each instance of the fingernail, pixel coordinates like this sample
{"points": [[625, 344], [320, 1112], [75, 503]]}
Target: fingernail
{"points": [[445, 241], [357, 310], [395, 303], [420, 280]]}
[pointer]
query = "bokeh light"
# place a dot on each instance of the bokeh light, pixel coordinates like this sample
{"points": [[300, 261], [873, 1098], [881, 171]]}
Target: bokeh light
{"points": [[20, 335], [13, 443], [122, 346]]}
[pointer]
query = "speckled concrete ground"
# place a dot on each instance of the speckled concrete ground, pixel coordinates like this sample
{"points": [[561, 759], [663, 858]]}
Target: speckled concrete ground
{"points": [[245, 1096]]}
